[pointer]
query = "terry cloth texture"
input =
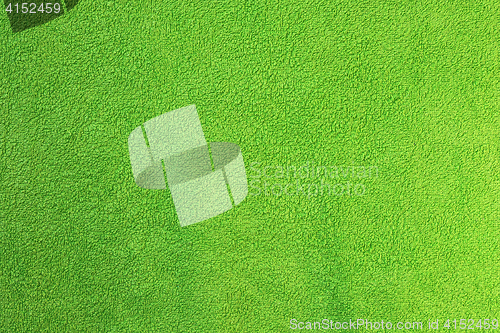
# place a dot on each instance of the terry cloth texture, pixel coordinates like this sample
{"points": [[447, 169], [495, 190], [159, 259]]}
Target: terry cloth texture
{"points": [[370, 133]]}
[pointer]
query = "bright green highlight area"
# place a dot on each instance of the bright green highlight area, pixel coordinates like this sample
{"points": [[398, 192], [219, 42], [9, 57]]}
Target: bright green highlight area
{"points": [[410, 87]]}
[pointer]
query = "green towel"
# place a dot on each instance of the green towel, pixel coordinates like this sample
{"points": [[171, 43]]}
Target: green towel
{"points": [[410, 89]]}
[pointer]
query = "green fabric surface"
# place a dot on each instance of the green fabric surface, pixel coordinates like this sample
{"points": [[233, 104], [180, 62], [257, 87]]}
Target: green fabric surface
{"points": [[411, 87]]}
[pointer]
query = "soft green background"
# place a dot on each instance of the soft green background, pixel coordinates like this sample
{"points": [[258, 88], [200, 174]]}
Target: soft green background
{"points": [[412, 87]]}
